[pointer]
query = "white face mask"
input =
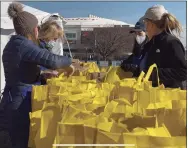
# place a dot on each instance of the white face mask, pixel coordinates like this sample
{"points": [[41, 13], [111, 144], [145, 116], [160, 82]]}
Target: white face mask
{"points": [[51, 44], [140, 39]]}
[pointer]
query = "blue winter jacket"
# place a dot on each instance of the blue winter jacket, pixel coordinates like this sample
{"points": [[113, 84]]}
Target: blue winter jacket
{"points": [[43, 44], [21, 58]]}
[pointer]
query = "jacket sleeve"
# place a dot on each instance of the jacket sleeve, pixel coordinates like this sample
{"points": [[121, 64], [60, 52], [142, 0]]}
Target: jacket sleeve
{"points": [[126, 62], [128, 66], [129, 60], [177, 73], [42, 68], [136, 48], [30, 52]]}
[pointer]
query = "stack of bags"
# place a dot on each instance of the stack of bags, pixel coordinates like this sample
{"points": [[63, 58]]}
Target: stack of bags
{"points": [[76, 110]]}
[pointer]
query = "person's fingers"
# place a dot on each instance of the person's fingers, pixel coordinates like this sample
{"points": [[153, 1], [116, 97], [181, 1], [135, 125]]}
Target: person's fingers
{"points": [[75, 61], [48, 75], [55, 72]]}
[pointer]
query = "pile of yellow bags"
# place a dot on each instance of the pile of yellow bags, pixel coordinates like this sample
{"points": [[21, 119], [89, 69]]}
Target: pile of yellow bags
{"points": [[76, 110], [115, 74]]}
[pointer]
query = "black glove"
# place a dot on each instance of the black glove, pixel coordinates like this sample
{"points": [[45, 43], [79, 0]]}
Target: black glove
{"points": [[129, 67]]}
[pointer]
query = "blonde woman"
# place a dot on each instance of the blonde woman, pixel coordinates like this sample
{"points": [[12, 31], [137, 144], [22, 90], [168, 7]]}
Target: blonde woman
{"points": [[164, 48], [49, 33]]}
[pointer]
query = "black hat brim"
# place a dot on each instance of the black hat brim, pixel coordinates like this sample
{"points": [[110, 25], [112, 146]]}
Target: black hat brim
{"points": [[135, 30]]}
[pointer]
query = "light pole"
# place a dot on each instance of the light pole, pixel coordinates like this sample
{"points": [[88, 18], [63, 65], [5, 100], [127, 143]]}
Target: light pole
{"points": [[96, 47], [86, 54]]}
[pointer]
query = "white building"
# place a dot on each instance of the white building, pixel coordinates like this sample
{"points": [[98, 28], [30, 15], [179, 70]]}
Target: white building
{"points": [[74, 26]]}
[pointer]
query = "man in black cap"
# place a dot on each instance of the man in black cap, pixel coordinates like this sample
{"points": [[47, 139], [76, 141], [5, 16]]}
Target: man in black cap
{"points": [[132, 62]]}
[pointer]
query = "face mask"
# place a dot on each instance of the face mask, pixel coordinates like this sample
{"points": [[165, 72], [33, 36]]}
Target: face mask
{"points": [[51, 44], [140, 39]]}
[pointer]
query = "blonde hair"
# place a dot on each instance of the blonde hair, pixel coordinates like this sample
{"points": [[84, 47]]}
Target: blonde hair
{"points": [[169, 23], [50, 29]]}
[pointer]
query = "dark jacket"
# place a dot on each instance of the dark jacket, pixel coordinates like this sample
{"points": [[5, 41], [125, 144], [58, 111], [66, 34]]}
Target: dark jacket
{"points": [[168, 53], [42, 44], [137, 48], [21, 58], [132, 62]]}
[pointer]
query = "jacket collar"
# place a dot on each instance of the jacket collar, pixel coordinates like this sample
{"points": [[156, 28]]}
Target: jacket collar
{"points": [[159, 37]]}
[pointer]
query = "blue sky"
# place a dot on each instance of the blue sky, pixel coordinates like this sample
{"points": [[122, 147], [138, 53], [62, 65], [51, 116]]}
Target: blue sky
{"points": [[128, 12]]}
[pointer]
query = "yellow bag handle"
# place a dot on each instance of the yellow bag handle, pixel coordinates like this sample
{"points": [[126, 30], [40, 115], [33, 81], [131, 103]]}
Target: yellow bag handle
{"points": [[141, 77], [61, 75], [150, 70], [148, 74], [107, 73], [72, 72]]}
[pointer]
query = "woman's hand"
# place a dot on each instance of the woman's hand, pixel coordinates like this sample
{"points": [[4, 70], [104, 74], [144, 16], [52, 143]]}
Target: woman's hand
{"points": [[80, 67], [48, 74], [68, 71], [76, 61]]}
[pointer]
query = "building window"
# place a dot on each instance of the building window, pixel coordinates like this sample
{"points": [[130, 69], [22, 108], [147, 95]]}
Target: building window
{"points": [[70, 36]]}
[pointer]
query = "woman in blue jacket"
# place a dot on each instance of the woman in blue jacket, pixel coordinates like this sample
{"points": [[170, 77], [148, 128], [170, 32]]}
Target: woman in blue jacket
{"points": [[21, 57]]}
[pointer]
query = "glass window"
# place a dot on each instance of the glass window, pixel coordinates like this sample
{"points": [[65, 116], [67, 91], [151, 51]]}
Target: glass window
{"points": [[70, 35]]}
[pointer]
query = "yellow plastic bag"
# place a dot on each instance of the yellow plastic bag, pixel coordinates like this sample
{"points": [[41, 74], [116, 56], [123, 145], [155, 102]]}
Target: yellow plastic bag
{"points": [[107, 138], [80, 134], [91, 112], [70, 134], [147, 141], [127, 88], [102, 133], [95, 136], [115, 74], [92, 67], [87, 86], [158, 97], [100, 76], [140, 121], [39, 96], [50, 116], [104, 69], [165, 104], [71, 114], [35, 118], [125, 92], [74, 131], [35, 121], [175, 120], [157, 132]]}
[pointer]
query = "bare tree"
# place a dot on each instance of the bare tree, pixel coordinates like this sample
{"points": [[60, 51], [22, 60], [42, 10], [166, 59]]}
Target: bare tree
{"points": [[109, 42]]}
